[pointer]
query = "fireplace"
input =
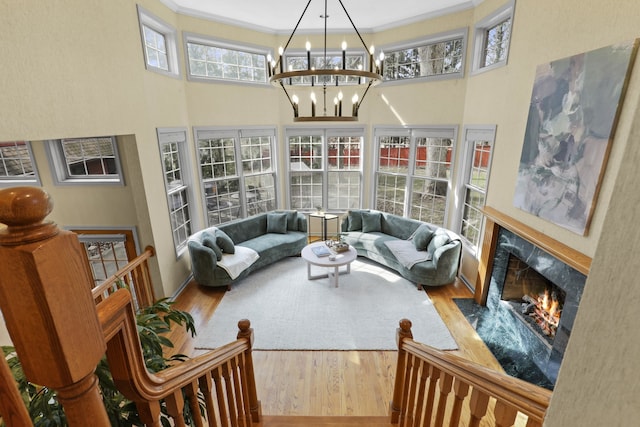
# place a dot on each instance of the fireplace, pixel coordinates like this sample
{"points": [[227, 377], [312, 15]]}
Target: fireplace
{"points": [[533, 298], [522, 283]]}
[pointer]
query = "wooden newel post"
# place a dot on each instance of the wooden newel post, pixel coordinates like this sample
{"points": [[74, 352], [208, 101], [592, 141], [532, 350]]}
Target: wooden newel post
{"points": [[246, 331], [46, 301], [404, 331]]}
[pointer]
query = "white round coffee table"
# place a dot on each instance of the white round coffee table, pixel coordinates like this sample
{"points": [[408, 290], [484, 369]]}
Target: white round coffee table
{"points": [[341, 259]]}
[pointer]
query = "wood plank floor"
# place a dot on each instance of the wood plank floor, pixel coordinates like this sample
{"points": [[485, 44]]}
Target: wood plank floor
{"points": [[330, 383]]}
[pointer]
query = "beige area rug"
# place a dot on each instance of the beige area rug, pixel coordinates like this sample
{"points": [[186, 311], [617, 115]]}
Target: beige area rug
{"points": [[289, 312]]}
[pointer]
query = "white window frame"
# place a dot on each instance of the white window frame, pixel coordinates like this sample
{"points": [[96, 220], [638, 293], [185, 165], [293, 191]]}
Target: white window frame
{"points": [[179, 136], [481, 29], [16, 180], [147, 19], [223, 44], [426, 41], [325, 134], [237, 134], [413, 133], [471, 134], [59, 171]]}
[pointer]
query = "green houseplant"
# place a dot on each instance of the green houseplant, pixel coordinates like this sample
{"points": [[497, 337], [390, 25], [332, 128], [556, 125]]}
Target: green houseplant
{"points": [[152, 322]]}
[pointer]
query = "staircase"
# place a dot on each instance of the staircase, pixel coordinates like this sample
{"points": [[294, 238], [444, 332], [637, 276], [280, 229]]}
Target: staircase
{"points": [[60, 344]]}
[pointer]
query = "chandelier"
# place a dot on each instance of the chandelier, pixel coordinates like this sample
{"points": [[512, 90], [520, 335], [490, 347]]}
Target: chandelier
{"points": [[332, 77]]}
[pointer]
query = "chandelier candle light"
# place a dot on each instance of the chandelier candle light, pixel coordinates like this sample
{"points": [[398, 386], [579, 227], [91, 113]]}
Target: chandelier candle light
{"points": [[344, 77]]}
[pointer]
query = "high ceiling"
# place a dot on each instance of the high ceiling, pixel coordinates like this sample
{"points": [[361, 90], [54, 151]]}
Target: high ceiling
{"points": [[280, 16]]}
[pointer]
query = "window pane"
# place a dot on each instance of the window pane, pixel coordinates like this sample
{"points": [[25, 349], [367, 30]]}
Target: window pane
{"points": [[472, 216], [155, 45], [15, 160], [229, 64], [429, 201], [425, 60], [305, 152], [222, 199], [105, 258], [394, 154], [497, 43], [89, 156], [306, 190], [217, 157], [256, 167], [390, 193]]}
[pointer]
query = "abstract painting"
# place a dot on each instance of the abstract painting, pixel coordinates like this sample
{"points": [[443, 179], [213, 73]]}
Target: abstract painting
{"points": [[573, 114]]}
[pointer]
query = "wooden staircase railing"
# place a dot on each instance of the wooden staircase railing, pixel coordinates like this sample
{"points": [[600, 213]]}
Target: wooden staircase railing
{"points": [[432, 386], [224, 376], [137, 278], [60, 334]]}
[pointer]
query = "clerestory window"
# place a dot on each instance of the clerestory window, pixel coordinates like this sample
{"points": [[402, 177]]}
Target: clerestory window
{"points": [[492, 38], [159, 42], [437, 56], [209, 59]]}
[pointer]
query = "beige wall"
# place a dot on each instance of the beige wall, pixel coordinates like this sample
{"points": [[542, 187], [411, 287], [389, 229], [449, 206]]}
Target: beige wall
{"points": [[75, 68]]}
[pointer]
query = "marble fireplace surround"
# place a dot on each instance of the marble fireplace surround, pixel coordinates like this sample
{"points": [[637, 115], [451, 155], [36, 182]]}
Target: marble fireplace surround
{"points": [[505, 237]]}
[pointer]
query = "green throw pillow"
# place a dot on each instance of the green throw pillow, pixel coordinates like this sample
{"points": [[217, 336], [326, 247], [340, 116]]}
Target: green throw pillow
{"points": [[209, 241], [355, 220], [371, 222], [224, 241], [292, 220], [277, 222], [422, 237]]}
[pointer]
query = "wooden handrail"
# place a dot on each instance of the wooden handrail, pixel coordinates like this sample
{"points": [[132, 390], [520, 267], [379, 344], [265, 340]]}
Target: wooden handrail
{"points": [[421, 369], [230, 364], [136, 275]]}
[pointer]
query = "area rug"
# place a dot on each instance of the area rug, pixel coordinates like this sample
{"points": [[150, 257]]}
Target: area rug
{"points": [[289, 312]]}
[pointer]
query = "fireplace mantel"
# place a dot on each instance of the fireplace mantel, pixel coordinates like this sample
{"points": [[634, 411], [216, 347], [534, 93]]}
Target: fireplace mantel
{"points": [[496, 219]]}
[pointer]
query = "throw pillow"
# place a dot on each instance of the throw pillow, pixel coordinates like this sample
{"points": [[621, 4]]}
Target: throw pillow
{"points": [[292, 220], [277, 222], [209, 241], [224, 241], [437, 241], [422, 237], [371, 222], [355, 220]]}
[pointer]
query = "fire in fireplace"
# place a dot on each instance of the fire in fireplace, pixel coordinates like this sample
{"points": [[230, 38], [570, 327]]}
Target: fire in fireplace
{"points": [[533, 298]]}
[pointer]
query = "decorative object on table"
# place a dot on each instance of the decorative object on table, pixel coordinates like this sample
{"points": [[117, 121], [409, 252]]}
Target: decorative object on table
{"points": [[337, 246], [575, 105], [321, 251]]}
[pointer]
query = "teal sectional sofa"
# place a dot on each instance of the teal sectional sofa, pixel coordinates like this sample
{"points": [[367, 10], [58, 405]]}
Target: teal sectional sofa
{"points": [[226, 253], [420, 252]]}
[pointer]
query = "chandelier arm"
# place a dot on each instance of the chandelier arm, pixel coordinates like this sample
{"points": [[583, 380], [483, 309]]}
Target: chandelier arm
{"points": [[296, 28], [353, 25], [365, 92], [293, 105]]}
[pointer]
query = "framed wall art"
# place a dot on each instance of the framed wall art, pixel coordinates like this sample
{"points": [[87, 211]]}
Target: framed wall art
{"points": [[574, 109]]}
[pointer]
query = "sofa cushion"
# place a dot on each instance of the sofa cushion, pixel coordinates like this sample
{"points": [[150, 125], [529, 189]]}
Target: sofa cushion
{"points": [[277, 222], [209, 240], [371, 222], [354, 220], [224, 242], [292, 219], [422, 237]]}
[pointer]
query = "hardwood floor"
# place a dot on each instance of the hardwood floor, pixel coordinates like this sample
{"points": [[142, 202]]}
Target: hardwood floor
{"points": [[330, 383]]}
